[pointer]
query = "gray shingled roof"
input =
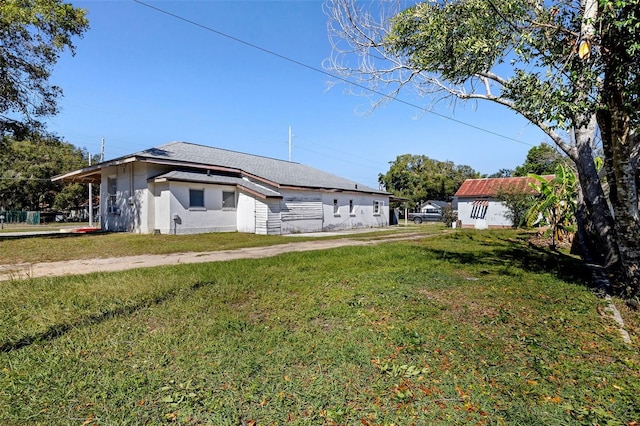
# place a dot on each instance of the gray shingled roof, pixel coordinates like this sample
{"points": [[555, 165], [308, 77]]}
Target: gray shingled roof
{"points": [[280, 172], [217, 179]]}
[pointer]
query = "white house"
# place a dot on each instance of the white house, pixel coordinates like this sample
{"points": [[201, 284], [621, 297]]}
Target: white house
{"points": [[478, 205], [433, 206], [184, 188]]}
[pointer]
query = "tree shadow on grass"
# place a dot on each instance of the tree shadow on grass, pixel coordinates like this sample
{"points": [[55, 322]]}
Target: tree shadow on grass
{"points": [[519, 253], [56, 330]]}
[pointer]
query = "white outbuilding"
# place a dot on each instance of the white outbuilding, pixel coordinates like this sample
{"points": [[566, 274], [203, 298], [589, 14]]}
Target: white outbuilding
{"points": [[479, 204]]}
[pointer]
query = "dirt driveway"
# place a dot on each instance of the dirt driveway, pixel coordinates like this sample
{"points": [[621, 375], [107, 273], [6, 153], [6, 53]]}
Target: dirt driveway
{"points": [[86, 266]]}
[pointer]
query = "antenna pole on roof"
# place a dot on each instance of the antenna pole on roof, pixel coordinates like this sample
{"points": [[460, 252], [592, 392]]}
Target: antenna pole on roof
{"points": [[290, 136], [102, 150]]}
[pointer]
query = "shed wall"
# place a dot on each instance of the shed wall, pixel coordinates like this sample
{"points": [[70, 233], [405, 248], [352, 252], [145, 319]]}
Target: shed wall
{"points": [[494, 215]]}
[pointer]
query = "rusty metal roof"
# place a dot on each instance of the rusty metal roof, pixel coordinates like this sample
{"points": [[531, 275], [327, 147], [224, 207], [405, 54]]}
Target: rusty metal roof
{"points": [[489, 187]]}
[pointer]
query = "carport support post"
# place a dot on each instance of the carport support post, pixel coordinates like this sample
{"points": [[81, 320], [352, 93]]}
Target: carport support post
{"points": [[406, 214]]}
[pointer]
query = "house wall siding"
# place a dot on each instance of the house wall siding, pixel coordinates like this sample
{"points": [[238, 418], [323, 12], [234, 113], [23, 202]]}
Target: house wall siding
{"points": [[268, 217], [211, 218], [137, 199], [362, 216], [143, 206], [301, 212], [133, 209], [115, 212], [162, 208]]}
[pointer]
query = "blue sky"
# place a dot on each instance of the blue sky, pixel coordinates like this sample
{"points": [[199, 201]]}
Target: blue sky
{"points": [[141, 78]]}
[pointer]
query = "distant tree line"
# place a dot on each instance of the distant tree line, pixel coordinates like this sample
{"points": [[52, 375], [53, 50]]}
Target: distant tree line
{"points": [[419, 178], [541, 160], [26, 169]]}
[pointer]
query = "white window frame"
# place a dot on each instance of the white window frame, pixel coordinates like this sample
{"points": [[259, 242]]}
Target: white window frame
{"points": [[352, 208], [112, 190], [377, 207], [112, 195], [336, 207]]}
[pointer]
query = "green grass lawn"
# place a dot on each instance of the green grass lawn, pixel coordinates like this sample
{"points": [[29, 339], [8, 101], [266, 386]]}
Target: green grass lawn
{"points": [[88, 246], [464, 328], [66, 247]]}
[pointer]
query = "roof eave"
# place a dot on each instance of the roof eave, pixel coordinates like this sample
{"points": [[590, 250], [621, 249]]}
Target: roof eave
{"points": [[319, 188], [91, 174]]}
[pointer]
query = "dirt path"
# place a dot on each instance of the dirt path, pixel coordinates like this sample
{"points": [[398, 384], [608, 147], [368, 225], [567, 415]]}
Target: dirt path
{"points": [[86, 266]]}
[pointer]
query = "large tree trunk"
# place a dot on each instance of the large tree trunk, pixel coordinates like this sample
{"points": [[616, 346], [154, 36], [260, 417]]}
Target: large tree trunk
{"points": [[596, 229], [618, 104], [618, 146]]}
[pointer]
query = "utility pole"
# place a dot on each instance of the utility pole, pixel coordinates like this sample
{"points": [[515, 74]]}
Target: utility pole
{"points": [[90, 200]]}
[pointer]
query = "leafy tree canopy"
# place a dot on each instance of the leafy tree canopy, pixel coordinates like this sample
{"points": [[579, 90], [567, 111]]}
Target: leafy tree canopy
{"points": [[33, 34], [541, 160], [26, 169], [517, 203], [556, 203], [419, 178], [502, 173]]}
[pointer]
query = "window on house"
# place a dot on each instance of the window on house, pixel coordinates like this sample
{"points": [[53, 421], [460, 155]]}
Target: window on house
{"points": [[336, 207], [112, 189], [228, 199], [376, 207], [352, 208], [112, 195], [196, 198]]}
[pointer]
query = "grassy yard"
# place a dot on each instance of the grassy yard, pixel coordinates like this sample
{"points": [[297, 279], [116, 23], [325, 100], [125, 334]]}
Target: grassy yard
{"points": [[66, 247], [463, 328]]}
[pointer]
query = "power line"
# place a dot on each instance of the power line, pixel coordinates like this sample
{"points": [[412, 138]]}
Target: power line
{"points": [[321, 71], [25, 178]]}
